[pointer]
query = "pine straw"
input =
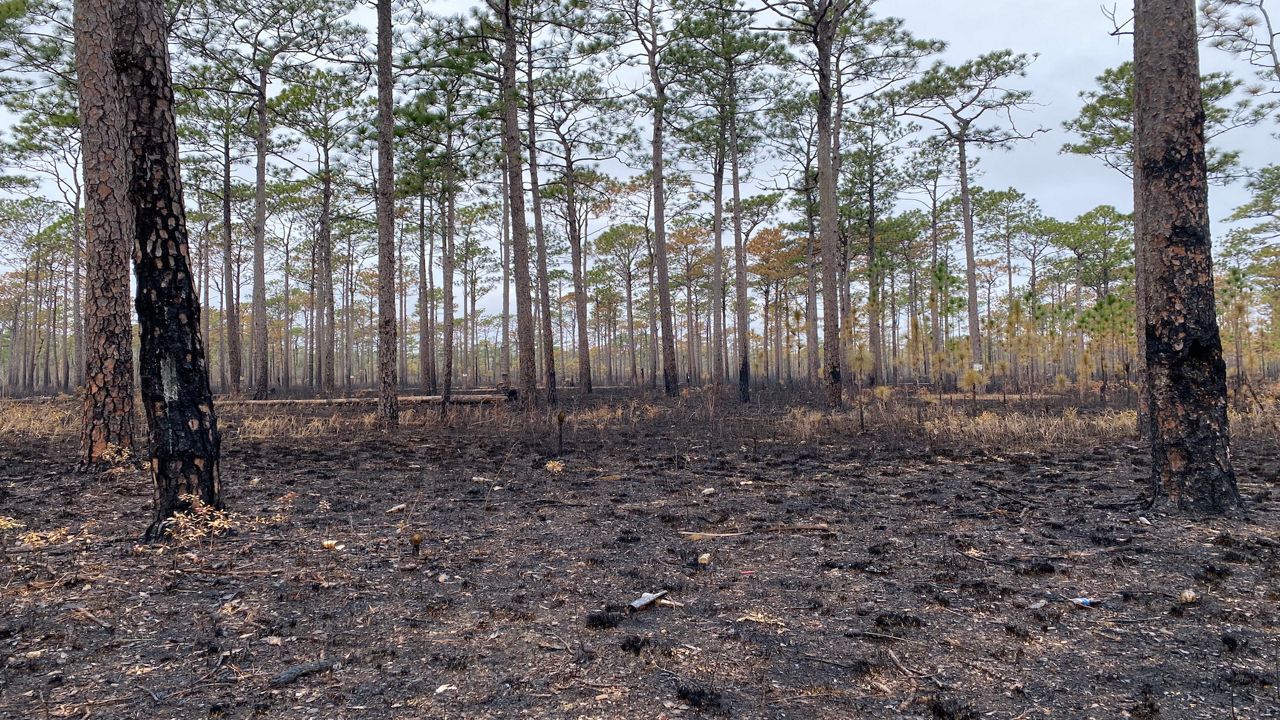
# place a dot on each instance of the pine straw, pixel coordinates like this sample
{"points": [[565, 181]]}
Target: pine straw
{"points": [[39, 419]]}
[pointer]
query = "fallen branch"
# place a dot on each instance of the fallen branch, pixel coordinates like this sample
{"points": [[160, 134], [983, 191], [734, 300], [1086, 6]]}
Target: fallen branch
{"points": [[299, 671], [404, 399]]}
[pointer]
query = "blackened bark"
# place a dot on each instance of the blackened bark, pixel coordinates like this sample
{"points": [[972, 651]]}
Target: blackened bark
{"points": [[824, 36], [717, 253], [388, 400], [183, 428], [1186, 376], [742, 301]]}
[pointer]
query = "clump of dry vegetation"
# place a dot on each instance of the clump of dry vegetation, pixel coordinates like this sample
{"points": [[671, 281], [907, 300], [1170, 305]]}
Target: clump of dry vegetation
{"points": [[45, 419], [1002, 430]]}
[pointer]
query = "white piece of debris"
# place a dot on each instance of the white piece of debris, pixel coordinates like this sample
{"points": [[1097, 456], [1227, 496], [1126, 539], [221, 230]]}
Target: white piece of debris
{"points": [[646, 600]]}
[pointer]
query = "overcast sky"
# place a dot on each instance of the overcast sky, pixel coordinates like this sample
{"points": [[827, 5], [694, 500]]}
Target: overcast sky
{"points": [[1075, 46], [1073, 40]]}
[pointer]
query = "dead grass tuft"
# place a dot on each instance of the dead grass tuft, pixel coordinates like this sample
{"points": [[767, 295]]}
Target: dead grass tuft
{"points": [[38, 419], [1022, 430]]}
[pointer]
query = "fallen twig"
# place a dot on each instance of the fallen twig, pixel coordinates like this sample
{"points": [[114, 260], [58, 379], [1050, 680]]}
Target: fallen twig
{"points": [[298, 671]]}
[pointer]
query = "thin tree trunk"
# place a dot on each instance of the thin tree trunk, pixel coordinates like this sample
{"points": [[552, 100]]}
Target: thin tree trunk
{"points": [[77, 253], [971, 262], [578, 262], [388, 387], [230, 299], [717, 254], [535, 196], [824, 34], [670, 376], [426, 354], [526, 362], [259, 342], [505, 360], [742, 302]]}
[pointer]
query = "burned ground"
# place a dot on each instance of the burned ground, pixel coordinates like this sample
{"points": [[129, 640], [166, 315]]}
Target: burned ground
{"points": [[812, 570]]}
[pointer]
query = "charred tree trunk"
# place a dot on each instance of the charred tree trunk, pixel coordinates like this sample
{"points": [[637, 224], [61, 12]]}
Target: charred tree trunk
{"points": [[824, 36], [1186, 376], [388, 399], [717, 253], [184, 448], [741, 301]]}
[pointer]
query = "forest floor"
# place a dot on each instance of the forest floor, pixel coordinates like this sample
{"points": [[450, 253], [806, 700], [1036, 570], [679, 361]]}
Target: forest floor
{"points": [[1001, 567]]}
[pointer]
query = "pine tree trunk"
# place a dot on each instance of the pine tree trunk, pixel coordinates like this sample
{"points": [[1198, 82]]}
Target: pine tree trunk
{"points": [[388, 400], [742, 304], [535, 196], [504, 364], [230, 298], [446, 270], [77, 308], [1186, 375], [670, 375], [874, 302], [824, 34], [526, 362], [717, 254], [327, 314], [578, 263], [184, 449], [109, 231], [426, 350], [258, 342], [812, 255], [970, 259], [286, 335]]}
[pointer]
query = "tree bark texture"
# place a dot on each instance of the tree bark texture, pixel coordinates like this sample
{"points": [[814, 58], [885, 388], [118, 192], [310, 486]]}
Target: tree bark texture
{"points": [[1186, 375], [108, 392], [388, 387]]}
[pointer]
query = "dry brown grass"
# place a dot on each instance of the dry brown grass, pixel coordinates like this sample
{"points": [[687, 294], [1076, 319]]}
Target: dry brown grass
{"points": [[883, 413], [44, 419], [1015, 429], [274, 425]]}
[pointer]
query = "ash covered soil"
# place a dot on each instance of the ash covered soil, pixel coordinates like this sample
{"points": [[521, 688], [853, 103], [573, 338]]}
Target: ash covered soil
{"points": [[837, 575]]}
